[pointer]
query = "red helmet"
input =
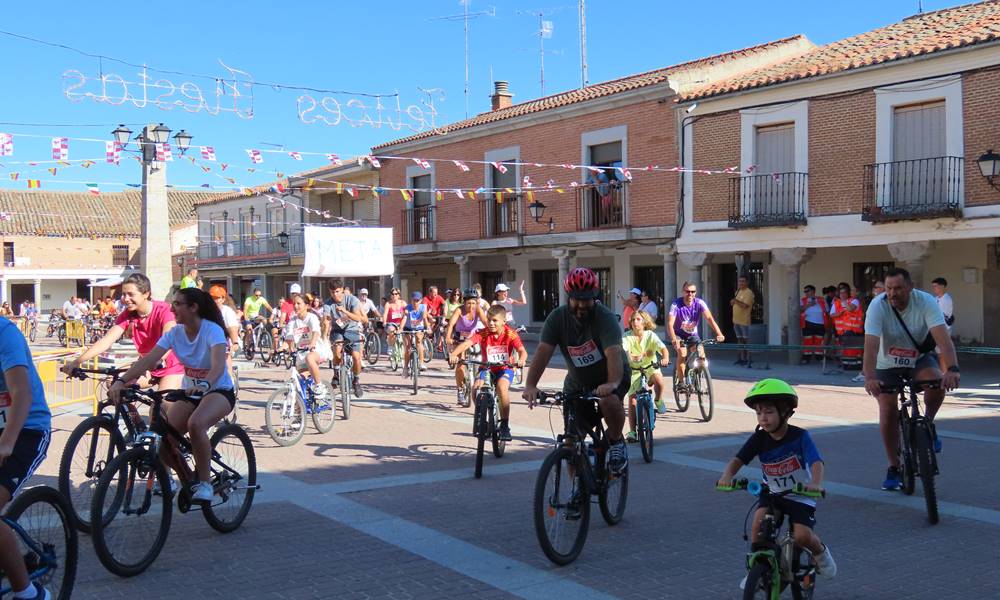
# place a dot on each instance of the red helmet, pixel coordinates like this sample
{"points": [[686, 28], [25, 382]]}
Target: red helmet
{"points": [[581, 283]]}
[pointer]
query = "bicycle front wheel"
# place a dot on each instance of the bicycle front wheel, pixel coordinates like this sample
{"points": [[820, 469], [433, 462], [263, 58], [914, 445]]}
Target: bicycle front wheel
{"points": [[88, 451], [499, 445], [924, 448], [47, 520], [131, 539], [324, 412], [415, 370], [759, 582], [643, 428], [346, 386], [681, 397], [703, 388], [394, 357], [428, 345], [373, 347], [561, 507], [285, 417], [907, 463], [803, 575], [33, 334], [480, 430], [264, 346], [234, 478], [613, 494]]}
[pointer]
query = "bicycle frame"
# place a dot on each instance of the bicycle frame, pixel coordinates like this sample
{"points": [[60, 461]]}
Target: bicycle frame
{"points": [[47, 559], [575, 438]]}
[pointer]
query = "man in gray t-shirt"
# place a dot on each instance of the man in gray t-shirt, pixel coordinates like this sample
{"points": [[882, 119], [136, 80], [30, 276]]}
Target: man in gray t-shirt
{"points": [[346, 318], [898, 322]]}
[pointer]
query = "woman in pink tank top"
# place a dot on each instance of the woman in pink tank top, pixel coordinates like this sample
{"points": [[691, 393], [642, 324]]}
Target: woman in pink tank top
{"points": [[463, 323], [147, 320]]}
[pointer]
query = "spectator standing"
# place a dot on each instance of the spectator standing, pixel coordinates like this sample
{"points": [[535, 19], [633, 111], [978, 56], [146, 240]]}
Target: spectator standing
{"points": [[629, 306], [940, 288], [742, 305], [649, 305], [191, 279], [849, 325], [813, 320]]}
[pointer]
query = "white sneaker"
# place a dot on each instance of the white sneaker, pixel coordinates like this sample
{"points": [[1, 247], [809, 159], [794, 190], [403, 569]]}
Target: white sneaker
{"points": [[201, 492], [319, 390], [859, 378], [423, 368], [825, 565], [461, 397], [743, 582], [173, 485]]}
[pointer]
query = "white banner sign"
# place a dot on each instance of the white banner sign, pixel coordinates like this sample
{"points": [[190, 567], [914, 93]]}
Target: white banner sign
{"points": [[347, 251]]}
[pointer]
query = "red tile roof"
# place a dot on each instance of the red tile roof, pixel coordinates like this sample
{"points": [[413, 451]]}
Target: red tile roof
{"points": [[591, 92], [81, 214], [918, 35]]}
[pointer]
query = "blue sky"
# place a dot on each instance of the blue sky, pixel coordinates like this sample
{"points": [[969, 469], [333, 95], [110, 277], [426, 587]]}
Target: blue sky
{"points": [[360, 47]]}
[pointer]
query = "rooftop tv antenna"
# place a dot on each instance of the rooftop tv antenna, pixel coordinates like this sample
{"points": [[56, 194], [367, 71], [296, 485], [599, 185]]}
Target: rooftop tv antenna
{"points": [[544, 32], [465, 17]]}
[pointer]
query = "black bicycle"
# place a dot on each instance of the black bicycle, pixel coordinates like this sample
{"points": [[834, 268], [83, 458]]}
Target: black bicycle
{"points": [[94, 443], [916, 442], [132, 505], [775, 563], [697, 380], [412, 370], [571, 473], [42, 522], [485, 420]]}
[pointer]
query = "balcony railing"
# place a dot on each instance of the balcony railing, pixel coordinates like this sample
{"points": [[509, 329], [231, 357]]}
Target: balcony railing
{"points": [[773, 200], [418, 224], [602, 206], [926, 188], [499, 217], [260, 249]]}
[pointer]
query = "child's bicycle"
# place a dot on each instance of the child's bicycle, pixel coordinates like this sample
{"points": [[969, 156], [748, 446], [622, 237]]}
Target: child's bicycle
{"points": [[775, 563], [42, 522], [286, 409]]}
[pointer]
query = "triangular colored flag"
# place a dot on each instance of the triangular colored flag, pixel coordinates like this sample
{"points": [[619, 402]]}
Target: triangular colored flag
{"points": [[499, 166], [93, 189], [206, 168], [295, 155], [560, 190], [460, 195], [64, 163], [439, 195], [351, 192], [499, 197], [531, 196], [87, 164], [52, 170], [279, 174], [472, 195], [461, 165], [406, 195], [251, 170], [223, 166], [333, 158], [14, 176]]}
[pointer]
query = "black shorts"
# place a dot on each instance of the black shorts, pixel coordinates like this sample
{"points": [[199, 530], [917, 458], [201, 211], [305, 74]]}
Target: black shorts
{"points": [[797, 512], [229, 394], [29, 452], [588, 414], [893, 378], [813, 330]]}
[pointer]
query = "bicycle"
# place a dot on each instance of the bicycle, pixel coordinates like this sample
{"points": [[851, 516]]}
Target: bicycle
{"points": [[233, 415], [916, 443], [345, 376], [485, 420], [396, 352], [645, 414], [438, 344], [55, 322], [103, 437], [128, 490], [413, 369], [371, 346], [575, 470], [775, 563], [42, 522], [697, 380], [28, 327], [258, 340], [286, 409]]}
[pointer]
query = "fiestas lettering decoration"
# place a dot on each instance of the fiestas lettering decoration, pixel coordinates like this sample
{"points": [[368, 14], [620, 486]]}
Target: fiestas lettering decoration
{"points": [[230, 94], [347, 251], [356, 113]]}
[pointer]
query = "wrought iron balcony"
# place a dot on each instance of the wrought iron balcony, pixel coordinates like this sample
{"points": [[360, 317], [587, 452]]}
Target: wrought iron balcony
{"points": [[499, 217], [602, 206], [260, 249], [772, 200], [926, 188], [418, 224]]}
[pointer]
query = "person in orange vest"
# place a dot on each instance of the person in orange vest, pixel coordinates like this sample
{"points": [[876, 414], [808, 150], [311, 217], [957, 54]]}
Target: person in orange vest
{"points": [[813, 320], [848, 320]]}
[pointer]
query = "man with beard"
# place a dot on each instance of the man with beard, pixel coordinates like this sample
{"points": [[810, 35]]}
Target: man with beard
{"points": [[590, 340]]}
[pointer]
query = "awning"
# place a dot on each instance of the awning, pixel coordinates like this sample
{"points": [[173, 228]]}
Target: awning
{"points": [[109, 282]]}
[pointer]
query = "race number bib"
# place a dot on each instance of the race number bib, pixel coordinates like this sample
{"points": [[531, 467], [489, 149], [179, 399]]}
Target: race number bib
{"points": [[903, 357], [196, 378], [688, 326], [585, 355], [783, 475], [5, 403], [496, 354]]}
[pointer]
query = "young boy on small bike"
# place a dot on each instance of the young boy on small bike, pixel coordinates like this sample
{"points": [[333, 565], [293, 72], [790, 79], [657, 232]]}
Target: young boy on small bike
{"points": [[25, 425], [499, 343], [787, 457]]}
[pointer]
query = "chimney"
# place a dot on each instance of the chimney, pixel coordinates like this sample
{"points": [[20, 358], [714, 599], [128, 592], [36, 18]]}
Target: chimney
{"points": [[501, 95]]}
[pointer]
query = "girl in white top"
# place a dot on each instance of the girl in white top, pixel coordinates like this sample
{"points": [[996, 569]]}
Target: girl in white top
{"points": [[200, 345], [503, 299], [303, 333]]}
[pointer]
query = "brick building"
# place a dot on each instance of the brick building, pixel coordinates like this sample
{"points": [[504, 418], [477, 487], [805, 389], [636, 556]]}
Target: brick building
{"points": [[56, 244], [623, 229], [854, 156]]}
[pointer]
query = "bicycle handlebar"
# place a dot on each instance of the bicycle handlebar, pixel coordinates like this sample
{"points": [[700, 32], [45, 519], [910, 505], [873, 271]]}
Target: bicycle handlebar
{"points": [[82, 373], [558, 398], [759, 489], [918, 385]]}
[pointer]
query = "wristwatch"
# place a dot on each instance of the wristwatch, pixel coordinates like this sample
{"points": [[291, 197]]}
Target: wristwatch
{"points": [[953, 369]]}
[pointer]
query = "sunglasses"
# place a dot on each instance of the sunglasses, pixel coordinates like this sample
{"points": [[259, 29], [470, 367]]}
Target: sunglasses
{"points": [[690, 291]]}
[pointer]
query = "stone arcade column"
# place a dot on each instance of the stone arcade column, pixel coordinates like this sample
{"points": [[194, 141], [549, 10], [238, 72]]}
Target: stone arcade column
{"points": [[793, 259], [912, 255], [669, 254], [464, 272], [693, 263], [564, 257]]}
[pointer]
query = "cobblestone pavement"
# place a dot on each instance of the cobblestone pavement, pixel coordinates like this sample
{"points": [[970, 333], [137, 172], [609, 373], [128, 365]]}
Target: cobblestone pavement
{"points": [[385, 506]]}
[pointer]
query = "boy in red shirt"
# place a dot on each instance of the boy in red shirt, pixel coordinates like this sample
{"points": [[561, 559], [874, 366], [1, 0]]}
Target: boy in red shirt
{"points": [[498, 344]]}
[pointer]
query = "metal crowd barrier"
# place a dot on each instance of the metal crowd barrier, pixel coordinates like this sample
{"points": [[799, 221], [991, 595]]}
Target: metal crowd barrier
{"points": [[832, 351], [61, 390]]}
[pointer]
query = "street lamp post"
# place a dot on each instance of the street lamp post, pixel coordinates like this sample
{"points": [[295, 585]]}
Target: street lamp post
{"points": [[154, 256]]}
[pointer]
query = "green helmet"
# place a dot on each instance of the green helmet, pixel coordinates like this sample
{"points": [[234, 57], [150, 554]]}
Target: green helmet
{"points": [[772, 390]]}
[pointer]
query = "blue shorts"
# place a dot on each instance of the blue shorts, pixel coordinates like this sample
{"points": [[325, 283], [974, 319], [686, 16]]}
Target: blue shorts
{"points": [[30, 449], [507, 373]]}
